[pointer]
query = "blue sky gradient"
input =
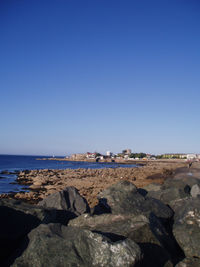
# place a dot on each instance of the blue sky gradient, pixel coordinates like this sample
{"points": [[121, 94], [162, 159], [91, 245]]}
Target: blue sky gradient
{"points": [[99, 75]]}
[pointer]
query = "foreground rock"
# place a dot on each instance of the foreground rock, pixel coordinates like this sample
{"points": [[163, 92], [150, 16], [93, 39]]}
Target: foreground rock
{"points": [[148, 233], [56, 245], [169, 194], [172, 189], [186, 226], [124, 198], [17, 220], [68, 199], [126, 228]]}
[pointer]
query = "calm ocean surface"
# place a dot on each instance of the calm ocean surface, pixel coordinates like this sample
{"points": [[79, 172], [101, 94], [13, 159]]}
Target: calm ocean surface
{"points": [[12, 163]]}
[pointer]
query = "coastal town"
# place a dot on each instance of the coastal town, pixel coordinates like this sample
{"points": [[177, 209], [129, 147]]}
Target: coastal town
{"points": [[127, 155]]}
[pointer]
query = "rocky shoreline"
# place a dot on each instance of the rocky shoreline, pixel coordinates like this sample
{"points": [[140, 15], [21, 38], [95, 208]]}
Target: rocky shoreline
{"points": [[156, 225], [89, 182]]}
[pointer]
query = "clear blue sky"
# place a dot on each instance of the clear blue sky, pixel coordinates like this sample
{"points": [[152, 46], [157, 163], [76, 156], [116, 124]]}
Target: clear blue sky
{"points": [[79, 76]]}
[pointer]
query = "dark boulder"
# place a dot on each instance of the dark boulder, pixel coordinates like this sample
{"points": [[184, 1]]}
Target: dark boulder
{"points": [[182, 184], [124, 198], [68, 199], [157, 245], [177, 188], [152, 187], [124, 225], [186, 226], [44, 215], [57, 245], [169, 194], [17, 220], [187, 180]]}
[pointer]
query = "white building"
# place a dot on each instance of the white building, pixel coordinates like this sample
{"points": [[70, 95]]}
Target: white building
{"points": [[90, 155], [109, 154], [191, 156]]}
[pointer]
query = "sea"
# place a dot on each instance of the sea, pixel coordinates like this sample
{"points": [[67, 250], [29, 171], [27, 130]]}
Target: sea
{"points": [[10, 165]]}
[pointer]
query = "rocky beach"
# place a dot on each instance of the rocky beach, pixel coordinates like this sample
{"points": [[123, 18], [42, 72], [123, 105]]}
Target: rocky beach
{"points": [[146, 216], [90, 182]]}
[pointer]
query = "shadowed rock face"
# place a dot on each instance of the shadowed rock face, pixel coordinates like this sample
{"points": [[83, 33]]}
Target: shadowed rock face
{"points": [[186, 226], [68, 199], [17, 220], [44, 215], [56, 245], [123, 198]]}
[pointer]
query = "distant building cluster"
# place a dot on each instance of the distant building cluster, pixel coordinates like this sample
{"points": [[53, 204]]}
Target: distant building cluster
{"points": [[127, 154], [179, 156]]}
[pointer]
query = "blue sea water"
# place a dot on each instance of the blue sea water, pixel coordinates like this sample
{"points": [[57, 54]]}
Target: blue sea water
{"points": [[13, 163]]}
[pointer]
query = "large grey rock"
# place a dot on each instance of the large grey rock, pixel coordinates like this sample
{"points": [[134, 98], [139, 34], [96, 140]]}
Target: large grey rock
{"points": [[176, 204], [184, 183], [189, 262], [180, 184], [152, 187], [17, 220], [156, 244], [56, 245], [125, 225], [177, 188], [123, 198], [187, 180], [186, 226], [68, 199], [169, 194]]}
